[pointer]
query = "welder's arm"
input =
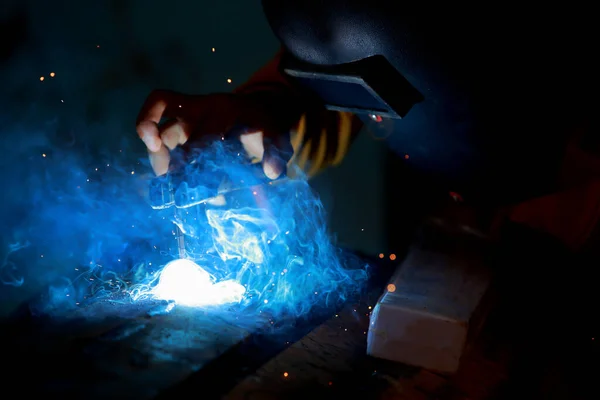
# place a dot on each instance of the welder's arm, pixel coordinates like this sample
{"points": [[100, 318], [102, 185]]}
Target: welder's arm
{"points": [[321, 138]]}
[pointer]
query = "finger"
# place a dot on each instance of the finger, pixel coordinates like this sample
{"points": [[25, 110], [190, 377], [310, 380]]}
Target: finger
{"points": [[149, 133], [174, 133], [158, 105], [162, 104], [278, 151], [159, 160], [253, 144]]}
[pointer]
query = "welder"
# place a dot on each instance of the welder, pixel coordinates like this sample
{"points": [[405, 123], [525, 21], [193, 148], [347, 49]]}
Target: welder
{"points": [[504, 96], [491, 107]]}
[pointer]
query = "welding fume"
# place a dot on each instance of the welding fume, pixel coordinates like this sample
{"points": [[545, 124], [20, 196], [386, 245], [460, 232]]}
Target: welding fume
{"points": [[194, 182], [191, 183], [247, 226]]}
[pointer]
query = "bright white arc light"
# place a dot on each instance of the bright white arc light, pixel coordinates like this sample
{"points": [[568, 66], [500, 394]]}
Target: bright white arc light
{"points": [[188, 284]]}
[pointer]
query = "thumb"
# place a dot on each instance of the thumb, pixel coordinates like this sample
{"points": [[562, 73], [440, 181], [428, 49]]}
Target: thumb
{"points": [[159, 160], [278, 151], [149, 133]]}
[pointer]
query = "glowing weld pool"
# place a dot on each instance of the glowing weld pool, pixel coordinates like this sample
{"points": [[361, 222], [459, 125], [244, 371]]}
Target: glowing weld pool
{"points": [[186, 283]]}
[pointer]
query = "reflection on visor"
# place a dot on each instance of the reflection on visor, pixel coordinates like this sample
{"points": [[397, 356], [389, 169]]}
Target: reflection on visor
{"points": [[378, 127]]}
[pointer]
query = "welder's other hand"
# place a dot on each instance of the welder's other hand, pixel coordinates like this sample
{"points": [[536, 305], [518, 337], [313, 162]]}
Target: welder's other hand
{"points": [[265, 135]]}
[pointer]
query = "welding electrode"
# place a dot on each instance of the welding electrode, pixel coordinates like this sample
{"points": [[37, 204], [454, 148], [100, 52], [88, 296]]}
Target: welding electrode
{"points": [[179, 238]]}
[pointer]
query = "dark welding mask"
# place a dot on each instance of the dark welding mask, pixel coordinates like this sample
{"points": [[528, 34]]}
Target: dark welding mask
{"points": [[368, 58], [370, 87], [341, 51], [460, 94]]}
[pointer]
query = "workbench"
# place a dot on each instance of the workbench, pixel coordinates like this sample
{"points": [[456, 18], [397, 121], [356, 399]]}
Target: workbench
{"points": [[118, 349], [113, 348], [147, 352]]}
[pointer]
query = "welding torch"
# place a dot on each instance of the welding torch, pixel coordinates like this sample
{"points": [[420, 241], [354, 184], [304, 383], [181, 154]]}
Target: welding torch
{"points": [[189, 182], [179, 237]]}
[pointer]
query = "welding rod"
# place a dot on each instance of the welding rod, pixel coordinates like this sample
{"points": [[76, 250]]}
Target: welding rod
{"points": [[180, 242], [179, 238]]}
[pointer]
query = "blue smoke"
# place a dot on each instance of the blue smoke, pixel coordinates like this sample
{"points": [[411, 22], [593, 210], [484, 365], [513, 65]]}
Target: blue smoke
{"points": [[74, 224], [82, 231]]}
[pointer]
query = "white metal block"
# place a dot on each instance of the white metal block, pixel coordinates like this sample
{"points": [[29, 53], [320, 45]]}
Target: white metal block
{"points": [[433, 303]]}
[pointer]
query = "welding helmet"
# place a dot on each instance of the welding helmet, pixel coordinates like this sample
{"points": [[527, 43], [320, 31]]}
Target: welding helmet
{"points": [[457, 96]]}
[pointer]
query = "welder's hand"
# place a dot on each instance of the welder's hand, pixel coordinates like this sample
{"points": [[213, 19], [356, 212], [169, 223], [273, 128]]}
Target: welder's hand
{"points": [[265, 134]]}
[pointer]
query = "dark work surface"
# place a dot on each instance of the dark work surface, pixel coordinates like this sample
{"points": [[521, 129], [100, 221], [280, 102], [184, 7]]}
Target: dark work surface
{"points": [[117, 350], [539, 342]]}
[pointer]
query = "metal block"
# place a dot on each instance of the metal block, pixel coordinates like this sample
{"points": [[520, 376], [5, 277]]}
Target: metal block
{"points": [[433, 304]]}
